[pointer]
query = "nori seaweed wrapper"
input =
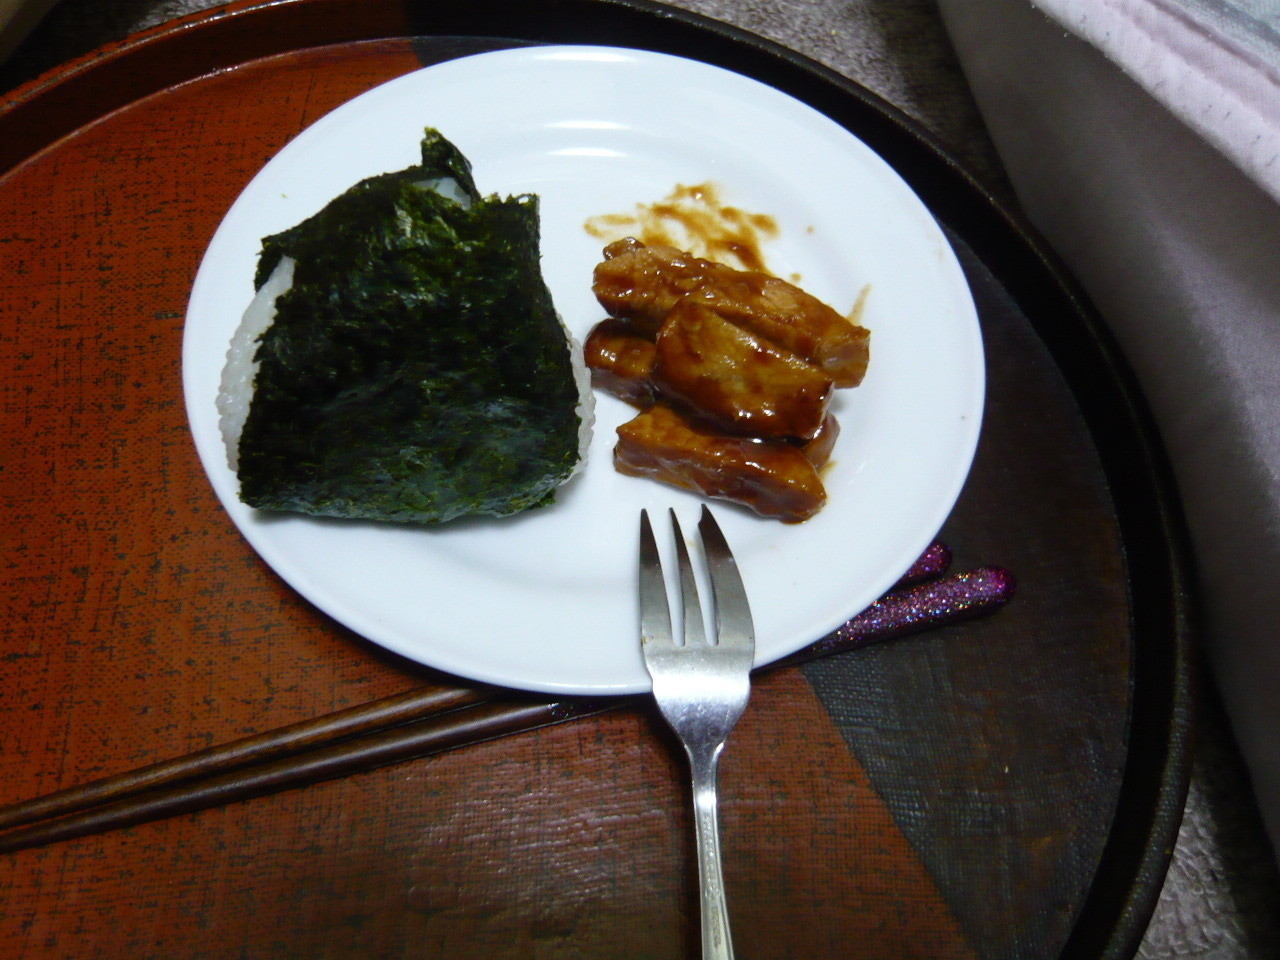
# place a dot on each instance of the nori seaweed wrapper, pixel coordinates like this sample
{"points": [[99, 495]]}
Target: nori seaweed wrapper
{"points": [[416, 370]]}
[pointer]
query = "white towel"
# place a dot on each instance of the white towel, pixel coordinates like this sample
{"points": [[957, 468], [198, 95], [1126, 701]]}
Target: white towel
{"points": [[1214, 64]]}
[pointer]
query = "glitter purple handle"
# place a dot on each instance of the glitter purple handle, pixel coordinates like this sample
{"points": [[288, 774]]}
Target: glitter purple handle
{"points": [[934, 562], [915, 608]]}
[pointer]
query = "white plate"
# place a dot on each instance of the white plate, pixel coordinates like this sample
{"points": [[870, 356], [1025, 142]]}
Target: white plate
{"points": [[546, 601]]}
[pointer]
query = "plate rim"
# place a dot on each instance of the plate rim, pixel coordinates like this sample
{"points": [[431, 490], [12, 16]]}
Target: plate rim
{"points": [[960, 437]]}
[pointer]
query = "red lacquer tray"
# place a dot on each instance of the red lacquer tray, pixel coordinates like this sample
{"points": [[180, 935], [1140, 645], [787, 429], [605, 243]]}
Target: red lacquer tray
{"points": [[1006, 788]]}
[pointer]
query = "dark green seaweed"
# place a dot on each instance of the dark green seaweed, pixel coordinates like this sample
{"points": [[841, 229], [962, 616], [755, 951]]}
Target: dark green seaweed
{"points": [[416, 370]]}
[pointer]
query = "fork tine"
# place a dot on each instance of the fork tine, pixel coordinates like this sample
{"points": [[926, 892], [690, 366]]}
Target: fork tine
{"points": [[655, 614], [694, 628], [733, 613]]}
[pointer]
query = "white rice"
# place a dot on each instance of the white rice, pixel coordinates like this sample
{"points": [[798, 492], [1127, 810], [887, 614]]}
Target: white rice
{"points": [[586, 397], [448, 188], [235, 392]]}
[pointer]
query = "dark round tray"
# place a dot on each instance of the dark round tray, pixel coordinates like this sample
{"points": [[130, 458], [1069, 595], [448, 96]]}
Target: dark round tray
{"points": [[1031, 768]]}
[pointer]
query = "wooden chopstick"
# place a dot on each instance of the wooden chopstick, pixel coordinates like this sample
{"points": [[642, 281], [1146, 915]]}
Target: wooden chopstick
{"points": [[431, 720], [411, 706], [296, 738], [434, 734]]}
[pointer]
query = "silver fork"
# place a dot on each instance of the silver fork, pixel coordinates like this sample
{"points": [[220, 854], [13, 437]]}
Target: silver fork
{"points": [[701, 688]]}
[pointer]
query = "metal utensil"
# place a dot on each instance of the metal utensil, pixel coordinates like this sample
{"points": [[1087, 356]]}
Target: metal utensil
{"points": [[700, 687]]}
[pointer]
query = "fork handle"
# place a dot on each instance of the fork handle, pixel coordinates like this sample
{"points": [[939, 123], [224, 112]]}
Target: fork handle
{"points": [[716, 942]]}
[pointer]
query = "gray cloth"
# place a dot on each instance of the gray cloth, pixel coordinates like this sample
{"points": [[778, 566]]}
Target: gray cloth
{"points": [[1180, 250]]}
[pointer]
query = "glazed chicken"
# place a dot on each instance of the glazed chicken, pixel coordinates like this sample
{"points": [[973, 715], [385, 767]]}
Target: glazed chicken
{"points": [[644, 283], [728, 410], [743, 383], [620, 359], [772, 477]]}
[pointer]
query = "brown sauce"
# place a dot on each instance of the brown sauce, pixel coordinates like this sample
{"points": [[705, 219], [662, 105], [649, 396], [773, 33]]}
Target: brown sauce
{"points": [[696, 220]]}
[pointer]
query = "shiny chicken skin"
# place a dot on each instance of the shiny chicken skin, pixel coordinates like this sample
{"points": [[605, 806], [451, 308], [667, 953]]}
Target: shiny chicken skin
{"points": [[621, 361], [818, 450], [736, 379], [772, 477], [644, 283]]}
